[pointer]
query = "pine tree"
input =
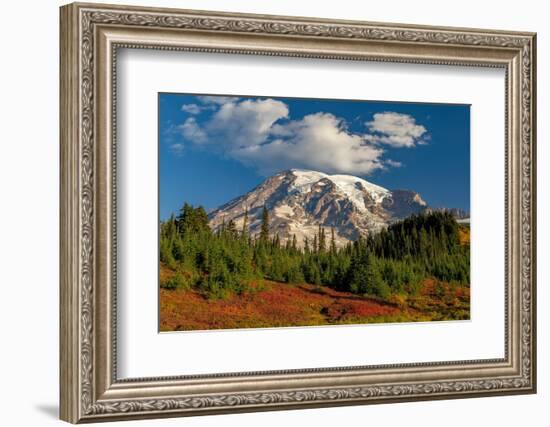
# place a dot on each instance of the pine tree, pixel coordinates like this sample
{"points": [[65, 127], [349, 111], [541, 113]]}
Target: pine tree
{"points": [[366, 278], [322, 240], [184, 218], [332, 242], [221, 228], [294, 243], [192, 220], [244, 231], [314, 246], [264, 233], [201, 219], [232, 228], [288, 245]]}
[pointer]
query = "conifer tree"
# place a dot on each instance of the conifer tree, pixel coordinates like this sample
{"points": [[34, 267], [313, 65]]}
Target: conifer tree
{"points": [[322, 240], [288, 244], [264, 233], [184, 217], [232, 228], [276, 241], [294, 243], [244, 231], [201, 219], [315, 246], [221, 228]]}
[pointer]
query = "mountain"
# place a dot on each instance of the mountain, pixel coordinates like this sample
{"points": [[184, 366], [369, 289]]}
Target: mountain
{"points": [[459, 214], [299, 201]]}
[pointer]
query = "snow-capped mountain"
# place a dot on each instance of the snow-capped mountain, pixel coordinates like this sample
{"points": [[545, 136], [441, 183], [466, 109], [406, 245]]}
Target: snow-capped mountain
{"points": [[299, 201]]}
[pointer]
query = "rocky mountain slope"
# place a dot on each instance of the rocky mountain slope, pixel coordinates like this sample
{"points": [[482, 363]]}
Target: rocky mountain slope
{"points": [[299, 201]]}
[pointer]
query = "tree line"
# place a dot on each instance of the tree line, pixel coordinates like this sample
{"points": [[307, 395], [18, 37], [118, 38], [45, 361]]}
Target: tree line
{"points": [[393, 261]]}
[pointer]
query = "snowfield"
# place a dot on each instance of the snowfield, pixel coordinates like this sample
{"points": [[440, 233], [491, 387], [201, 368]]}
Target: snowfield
{"points": [[299, 201]]}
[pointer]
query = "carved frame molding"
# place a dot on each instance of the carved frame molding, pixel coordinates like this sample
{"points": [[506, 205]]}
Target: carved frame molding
{"points": [[90, 37]]}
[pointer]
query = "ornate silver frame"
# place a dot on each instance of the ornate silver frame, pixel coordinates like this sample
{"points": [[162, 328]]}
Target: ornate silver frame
{"points": [[90, 36]]}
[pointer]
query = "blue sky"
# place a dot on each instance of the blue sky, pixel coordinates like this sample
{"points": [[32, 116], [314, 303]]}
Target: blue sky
{"points": [[215, 148]]}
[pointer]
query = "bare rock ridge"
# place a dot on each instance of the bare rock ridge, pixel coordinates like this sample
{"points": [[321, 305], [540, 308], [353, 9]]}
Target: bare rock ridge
{"points": [[299, 201]]}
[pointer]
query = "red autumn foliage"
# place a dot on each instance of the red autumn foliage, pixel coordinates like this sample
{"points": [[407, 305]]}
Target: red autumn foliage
{"points": [[279, 305], [273, 304]]}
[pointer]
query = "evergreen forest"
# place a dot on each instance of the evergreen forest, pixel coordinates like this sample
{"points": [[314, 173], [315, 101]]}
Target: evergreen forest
{"points": [[393, 262]]}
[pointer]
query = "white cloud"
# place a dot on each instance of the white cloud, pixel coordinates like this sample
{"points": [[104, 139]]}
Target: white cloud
{"points": [[193, 132], [395, 129], [236, 125], [177, 149], [259, 133], [393, 163], [191, 108], [318, 141], [217, 100]]}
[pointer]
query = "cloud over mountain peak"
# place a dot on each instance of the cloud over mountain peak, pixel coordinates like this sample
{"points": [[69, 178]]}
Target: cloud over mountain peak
{"points": [[260, 133]]}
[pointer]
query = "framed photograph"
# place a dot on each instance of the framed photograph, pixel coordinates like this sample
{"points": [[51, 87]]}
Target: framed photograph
{"points": [[266, 212]]}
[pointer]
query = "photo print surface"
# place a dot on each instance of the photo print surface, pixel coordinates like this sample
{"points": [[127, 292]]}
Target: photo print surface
{"points": [[280, 212]]}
